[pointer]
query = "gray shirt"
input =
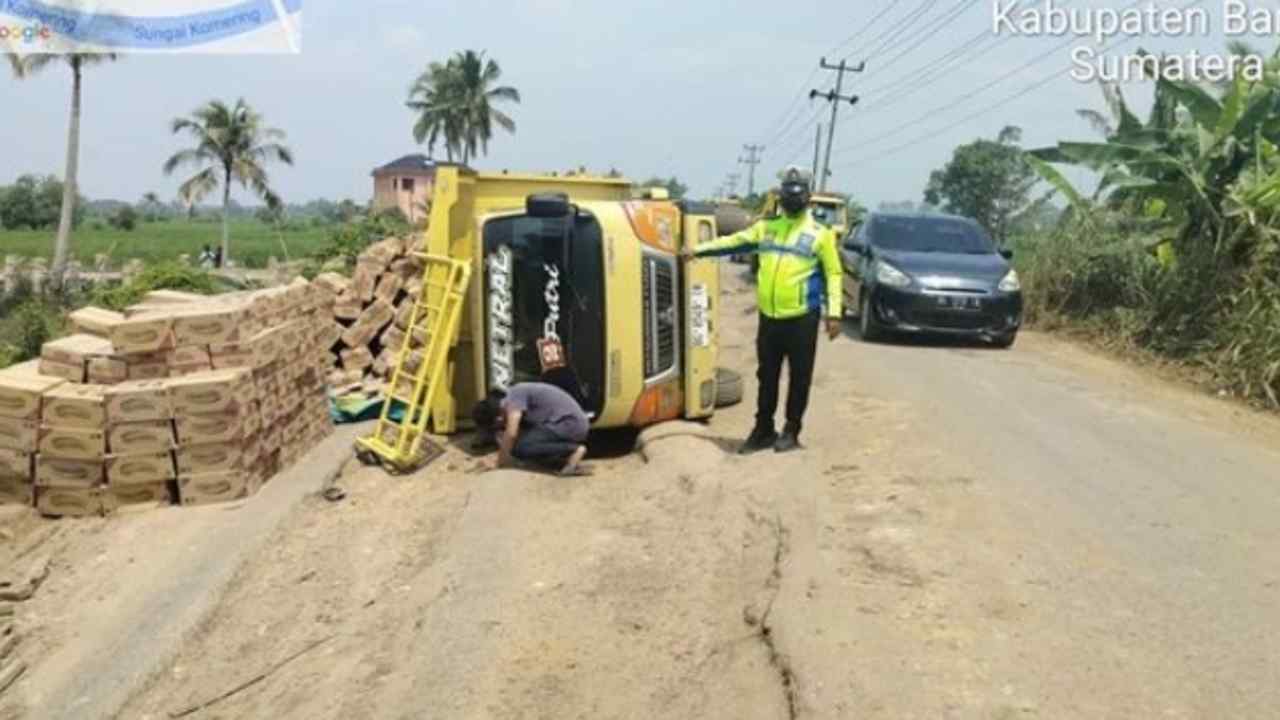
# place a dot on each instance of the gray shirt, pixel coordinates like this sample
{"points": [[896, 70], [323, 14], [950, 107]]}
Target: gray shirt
{"points": [[549, 407]]}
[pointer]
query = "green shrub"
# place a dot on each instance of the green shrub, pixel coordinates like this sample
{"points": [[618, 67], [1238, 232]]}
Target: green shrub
{"points": [[348, 240], [161, 276]]}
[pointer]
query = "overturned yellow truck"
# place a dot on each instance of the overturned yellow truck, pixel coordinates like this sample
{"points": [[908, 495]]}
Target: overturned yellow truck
{"points": [[583, 263]]}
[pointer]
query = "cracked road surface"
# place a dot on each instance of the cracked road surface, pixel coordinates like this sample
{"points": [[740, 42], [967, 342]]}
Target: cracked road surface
{"points": [[969, 534]]}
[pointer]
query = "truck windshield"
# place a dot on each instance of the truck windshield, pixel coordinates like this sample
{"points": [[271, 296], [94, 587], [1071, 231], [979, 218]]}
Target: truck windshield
{"points": [[544, 280]]}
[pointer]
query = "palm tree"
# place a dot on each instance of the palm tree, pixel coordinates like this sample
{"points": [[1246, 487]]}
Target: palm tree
{"points": [[456, 99], [25, 66], [231, 144]]}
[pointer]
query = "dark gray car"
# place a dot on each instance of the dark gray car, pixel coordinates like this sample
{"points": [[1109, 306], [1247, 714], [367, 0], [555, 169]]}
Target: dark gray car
{"points": [[930, 274]]}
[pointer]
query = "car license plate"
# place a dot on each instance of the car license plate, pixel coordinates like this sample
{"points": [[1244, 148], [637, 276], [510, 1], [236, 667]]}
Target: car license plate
{"points": [[959, 302]]}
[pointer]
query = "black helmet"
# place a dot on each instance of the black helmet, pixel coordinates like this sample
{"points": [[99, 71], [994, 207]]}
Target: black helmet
{"points": [[793, 193]]}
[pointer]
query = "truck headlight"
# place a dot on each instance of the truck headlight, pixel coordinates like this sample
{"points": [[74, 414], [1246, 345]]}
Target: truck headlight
{"points": [[1010, 282], [890, 275]]}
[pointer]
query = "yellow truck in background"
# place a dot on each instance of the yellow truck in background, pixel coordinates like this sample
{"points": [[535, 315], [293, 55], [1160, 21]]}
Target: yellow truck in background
{"points": [[583, 263]]}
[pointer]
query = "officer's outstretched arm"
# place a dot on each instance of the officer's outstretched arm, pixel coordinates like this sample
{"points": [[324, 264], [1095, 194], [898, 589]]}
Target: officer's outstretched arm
{"points": [[747, 241]]}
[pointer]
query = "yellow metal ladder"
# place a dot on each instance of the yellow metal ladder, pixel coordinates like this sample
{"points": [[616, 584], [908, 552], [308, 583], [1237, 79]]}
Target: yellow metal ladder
{"points": [[422, 364]]}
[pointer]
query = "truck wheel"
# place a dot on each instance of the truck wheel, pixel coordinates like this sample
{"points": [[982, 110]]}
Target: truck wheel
{"points": [[728, 387]]}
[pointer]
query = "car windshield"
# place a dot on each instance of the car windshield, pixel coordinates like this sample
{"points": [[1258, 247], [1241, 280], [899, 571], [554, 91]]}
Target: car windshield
{"points": [[929, 234]]}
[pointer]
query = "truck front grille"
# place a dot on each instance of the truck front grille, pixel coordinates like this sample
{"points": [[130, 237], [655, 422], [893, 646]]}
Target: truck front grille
{"points": [[659, 287]]}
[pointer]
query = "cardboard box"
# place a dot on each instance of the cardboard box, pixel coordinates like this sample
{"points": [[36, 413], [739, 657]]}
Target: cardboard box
{"points": [[138, 401], [16, 491], [77, 406], [188, 359], [107, 371], [389, 287], [348, 306], [20, 435], [17, 464], [137, 438], [69, 502], [21, 395], [54, 471], [357, 359], [145, 333], [211, 324], [147, 366], [95, 321], [75, 350], [117, 497], [220, 427], [70, 373], [214, 487], [364, 281], [73, 443], [215, 391], [140, 469], [212, 457]]}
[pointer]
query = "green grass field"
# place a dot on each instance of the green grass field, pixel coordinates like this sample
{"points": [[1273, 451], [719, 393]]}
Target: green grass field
{"points": [[251, 242]]}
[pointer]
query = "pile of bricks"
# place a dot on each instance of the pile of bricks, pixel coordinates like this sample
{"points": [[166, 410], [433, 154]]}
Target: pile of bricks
{"points": [[181, 398], [372, 310]]}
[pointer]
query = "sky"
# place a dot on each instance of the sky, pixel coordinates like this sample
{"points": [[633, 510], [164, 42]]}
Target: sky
{"points": [[651, 87]]}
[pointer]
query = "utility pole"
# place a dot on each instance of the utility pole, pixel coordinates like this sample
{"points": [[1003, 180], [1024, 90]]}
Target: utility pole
{"points": [[817, 148], [751, 161], [731, 182], [834, 98]]}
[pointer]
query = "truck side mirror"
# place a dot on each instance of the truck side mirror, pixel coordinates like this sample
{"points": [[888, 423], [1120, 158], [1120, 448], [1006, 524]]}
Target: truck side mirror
{"points": [[547, 205], [1006, 253]]}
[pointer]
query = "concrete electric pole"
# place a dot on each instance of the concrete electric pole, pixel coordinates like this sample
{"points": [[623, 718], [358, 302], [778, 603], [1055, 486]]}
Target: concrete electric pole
{"points": [[751, 161], [834, 97]]}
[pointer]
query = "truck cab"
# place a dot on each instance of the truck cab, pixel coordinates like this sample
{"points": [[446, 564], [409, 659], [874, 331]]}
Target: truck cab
{"points": [[584, 265]]}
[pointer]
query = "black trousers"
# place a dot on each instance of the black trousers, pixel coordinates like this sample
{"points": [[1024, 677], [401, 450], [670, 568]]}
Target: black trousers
{"points": [[796, 341], [543, 447]]}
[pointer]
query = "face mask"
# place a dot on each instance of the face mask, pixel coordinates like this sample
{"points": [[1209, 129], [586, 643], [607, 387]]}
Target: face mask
{"points": [[793, 204]]}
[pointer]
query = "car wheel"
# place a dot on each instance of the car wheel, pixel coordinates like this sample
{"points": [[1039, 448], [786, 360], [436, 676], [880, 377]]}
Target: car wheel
{"points": [[868, 327], [1004, 342], [728, 387]]}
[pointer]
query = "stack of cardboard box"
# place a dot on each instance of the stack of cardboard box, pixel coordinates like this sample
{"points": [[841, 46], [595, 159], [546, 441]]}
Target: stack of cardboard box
{"points": [[185, 397]]}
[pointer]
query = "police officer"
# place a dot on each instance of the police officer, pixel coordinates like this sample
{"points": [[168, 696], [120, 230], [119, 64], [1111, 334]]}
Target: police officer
{"points": [[798, 284]]}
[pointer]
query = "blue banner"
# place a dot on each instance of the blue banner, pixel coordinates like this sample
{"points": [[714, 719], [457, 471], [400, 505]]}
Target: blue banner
{"points": [[53, 28]]}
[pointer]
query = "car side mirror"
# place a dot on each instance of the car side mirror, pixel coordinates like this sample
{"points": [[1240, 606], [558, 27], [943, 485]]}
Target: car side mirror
{"points": [[1006, 253]]}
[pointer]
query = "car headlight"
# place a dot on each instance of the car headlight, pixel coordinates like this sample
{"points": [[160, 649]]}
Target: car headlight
{"points": [[1010, 282], [890, 275]]}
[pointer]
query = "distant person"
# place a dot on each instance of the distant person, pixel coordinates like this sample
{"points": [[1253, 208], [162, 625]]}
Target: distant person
{"points": [[798, 283], [217, 257], [537, 423]]}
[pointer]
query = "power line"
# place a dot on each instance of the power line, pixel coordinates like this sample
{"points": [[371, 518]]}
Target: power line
{"points": [[929, 115], [895, 31], [992, 108], [928, 32], [798, 102]]}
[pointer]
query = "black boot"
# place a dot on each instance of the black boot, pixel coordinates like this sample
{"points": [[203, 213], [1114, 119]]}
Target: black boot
{"points": [[788, 441], [762, 438]]}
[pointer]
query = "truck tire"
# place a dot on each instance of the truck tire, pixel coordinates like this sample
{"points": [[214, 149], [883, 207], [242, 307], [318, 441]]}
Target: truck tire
{"points": [[728, 387]]}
